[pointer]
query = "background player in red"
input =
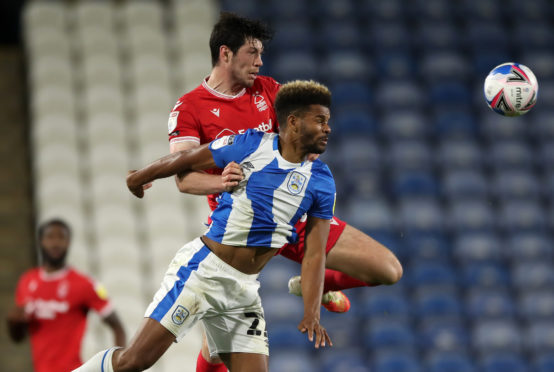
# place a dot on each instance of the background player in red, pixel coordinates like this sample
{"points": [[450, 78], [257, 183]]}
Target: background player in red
{"points": [[52, 302], [232, 99]]}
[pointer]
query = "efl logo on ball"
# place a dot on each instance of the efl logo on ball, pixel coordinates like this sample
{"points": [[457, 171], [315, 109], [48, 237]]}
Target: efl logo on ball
{"points": [[511, 89]]}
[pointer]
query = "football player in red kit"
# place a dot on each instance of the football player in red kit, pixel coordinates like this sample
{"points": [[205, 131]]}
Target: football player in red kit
{"points": [[232, 99], [52, 302]]}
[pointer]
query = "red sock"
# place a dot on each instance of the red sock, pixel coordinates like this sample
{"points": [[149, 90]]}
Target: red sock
{"points": [[337, 281], [202, 365]]}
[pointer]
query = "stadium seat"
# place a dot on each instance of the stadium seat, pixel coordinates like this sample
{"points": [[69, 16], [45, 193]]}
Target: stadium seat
{"points": [[379, 10], [494, 128], [409, 155], [434, 304], [345, 65], [546, 155], [395, 95], [539, 337], [385, 305], [486, 275], [542, 62], [345, 335], [443, 337], [471, 215], [503, 362], [370, 214], [295, 65], [396, 361], [388, 336], [542, 124], [489, 304], [454, 123], [485, 35], [293, 361], [431, 275], [525, 216], [337, 35], [284, 335], [513, 154], [42, 15], [444, 66], [477, 247], [452, 93], [428, 247], [353, 121], [464, 184], [403, 125], [544, 362], [420, 216], [451, 362], [395, 65], [350, 94], [413, 183], [491, 336], [358, 153], [532, 275], [536, 305], [515, 185], [275, 277], [283, 306], [437, 35], [529, 246], [390, 36], [459, 154], [344, 361]]}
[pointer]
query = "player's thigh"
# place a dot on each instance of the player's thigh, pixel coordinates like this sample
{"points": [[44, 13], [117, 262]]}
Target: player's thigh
{"points": [[362, 257], [245, 362]]}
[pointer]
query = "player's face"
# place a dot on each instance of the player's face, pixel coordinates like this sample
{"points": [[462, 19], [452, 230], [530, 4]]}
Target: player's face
{"points": [[315, 130], [54, 245], [246, 62]]}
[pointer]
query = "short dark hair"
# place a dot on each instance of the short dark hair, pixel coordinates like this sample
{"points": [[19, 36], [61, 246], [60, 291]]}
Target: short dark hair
{"points": [[233, 30], [53, 222], [296, 96]]}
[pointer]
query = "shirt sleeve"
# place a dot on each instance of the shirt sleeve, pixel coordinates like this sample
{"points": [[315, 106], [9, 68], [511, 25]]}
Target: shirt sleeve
{"points": [[324, 196], [182, 124], [235, 147], [96, 298]]}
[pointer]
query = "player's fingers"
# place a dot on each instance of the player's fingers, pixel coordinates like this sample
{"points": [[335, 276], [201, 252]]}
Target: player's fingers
{"points": [[310, 334], [328, 339]]}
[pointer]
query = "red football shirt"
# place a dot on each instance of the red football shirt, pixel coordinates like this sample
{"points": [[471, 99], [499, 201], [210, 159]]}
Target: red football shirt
{"points": [[204, 114], [58, 304]]}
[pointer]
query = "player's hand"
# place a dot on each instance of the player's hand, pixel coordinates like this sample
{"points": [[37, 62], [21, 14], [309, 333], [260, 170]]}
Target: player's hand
{"points": [[312, 326], [19, 315], [136, 189], [231, 176]]}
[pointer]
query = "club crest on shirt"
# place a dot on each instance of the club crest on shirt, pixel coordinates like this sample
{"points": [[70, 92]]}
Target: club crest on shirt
{"points": [[180, 314], [296, 183], [172, 122]]}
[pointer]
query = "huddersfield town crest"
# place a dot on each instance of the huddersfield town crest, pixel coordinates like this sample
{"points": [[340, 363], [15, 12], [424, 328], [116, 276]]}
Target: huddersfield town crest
{"points": [[296, 183], [179, 315]]}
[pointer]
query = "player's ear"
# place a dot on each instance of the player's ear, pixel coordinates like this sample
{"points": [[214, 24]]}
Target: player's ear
{"points": [[293, 122], [225, 53]]}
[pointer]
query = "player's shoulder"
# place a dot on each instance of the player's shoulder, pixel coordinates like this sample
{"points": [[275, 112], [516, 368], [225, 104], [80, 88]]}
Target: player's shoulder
{"points": [[190, 98], [79, 276], [321, 169], [30, 274]]}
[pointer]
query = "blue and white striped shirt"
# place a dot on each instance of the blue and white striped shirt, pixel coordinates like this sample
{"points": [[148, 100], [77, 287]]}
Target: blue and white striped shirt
{"points": [[275, 193]]}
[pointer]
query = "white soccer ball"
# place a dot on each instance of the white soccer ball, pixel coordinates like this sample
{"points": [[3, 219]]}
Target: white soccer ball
{"points": [[511, 89]]}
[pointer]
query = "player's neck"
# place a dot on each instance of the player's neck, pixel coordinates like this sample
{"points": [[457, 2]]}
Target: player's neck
{"points": [[290, 151], [222, 83], [51, 268]]}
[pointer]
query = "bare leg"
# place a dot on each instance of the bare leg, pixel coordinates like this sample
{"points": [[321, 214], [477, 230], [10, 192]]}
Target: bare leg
{"points": [[361, 257], [246, 362], [147, 346]]}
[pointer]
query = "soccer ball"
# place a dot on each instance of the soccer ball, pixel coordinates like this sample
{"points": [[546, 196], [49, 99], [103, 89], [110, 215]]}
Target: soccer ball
{"points": [[511, 89]]}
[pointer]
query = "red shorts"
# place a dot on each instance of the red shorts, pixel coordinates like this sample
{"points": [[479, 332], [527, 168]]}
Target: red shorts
{"points": [[295, 251]]}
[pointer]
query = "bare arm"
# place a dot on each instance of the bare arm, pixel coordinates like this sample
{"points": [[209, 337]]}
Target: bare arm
{"points": [[116, 326], [313, 269], [201, 183], [18, 323], [198, 158]]}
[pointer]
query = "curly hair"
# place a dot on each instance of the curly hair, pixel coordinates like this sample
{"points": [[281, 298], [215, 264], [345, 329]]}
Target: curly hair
{"points": [[296, 96], [53, 222], [233, 30]]}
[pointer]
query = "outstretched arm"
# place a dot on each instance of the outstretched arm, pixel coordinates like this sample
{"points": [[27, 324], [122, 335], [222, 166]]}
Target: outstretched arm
{"points": [[114, 323], [198, 158], [313, 269], [18, 323], [201, 183]]}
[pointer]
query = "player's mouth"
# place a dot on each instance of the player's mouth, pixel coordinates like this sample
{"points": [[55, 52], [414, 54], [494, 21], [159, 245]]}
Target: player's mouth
{"points": [[253, 75]]}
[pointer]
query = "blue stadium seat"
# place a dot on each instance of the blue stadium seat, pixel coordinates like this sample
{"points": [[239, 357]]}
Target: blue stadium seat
{"points": [[438, 305], [414, 183], [443, 337], [403, 125], [343, 361], [395, 65], [542, 124], [353, 121], [444, 66], [275, 277], [335, 11], [524, 216], [396, 95], [471, 215], [290, 35], [385, 305], [528, 247], [464, 183], [247, 8], [283, 306], [536, 305], [454, 123], [540, 337], [510, 155], [491, 336], [293, 361], [392, 10], [430, 247], [484, 61], [358, 153], [451, 362], [485, 35], [437, 35], [532, 35], [389, 36], [388, 336], [546, 155], [370, 215], [406, 155], [542, 63], [430, 10], [494, 128], [285, 336], [477, 247], [420, 216], [338, 35], [453, 93], [515, 184], [486, 275], [547, 93], [503, 362], [350, 93], [489, 304], [533, 275], [544, 362], [431, 274], [459, 154], [292, 65], [397, 362], [537, 10], [345, 335], [345, 65], [282, 10]]}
